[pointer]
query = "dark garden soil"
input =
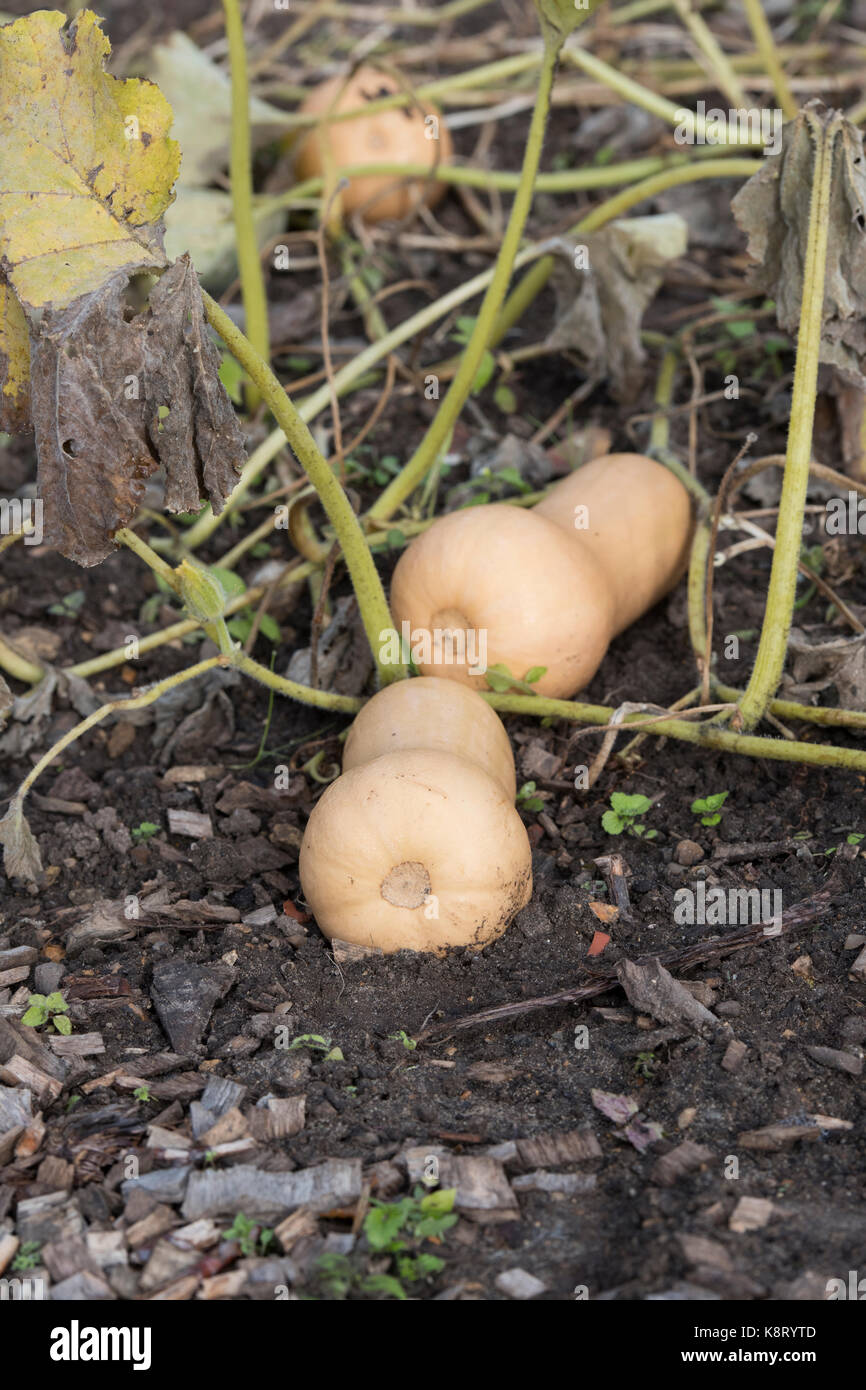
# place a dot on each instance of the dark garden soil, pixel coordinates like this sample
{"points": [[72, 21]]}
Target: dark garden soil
{"points": [[187, 960]]}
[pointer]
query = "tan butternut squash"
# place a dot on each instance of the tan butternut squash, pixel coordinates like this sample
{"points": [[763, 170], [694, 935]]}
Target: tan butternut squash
{"points": [[635, 517], [548, 587], [416, 850], [434, 714], [513, 588], [399, 135]]}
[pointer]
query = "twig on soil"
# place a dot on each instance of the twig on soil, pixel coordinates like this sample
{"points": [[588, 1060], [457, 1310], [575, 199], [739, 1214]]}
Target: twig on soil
{"points": [[613, 869]]}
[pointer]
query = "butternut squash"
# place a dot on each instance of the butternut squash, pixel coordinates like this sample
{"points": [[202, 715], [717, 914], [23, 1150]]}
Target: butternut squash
{"points": [[400, 135], [547, 587], [511, 588], [416, 850], [434, 714]]}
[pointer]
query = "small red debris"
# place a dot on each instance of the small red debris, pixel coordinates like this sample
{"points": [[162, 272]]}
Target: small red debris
{"points": [[599, 941]]}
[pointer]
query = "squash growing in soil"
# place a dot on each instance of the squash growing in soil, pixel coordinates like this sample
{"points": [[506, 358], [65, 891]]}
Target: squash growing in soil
{"points": [[417, 850], [401, 135], [635, 517], [548, 587], [511, 588], [427, 712]]}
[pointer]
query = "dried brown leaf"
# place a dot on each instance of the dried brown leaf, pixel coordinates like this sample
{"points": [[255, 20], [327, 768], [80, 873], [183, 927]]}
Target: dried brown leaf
{"points": [[21, 857], [773, 210], [600, 308], [114, 395]]}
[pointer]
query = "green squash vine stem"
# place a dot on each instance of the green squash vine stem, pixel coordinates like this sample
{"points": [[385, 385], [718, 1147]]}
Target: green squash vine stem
{"points": [[778, 613], [705, 735], [241, 176], [450, 407], [372, 603]]}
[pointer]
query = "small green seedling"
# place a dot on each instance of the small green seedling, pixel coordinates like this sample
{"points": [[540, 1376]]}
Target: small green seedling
{"points": [[853, 839], [527, 800], [252, 1237], [646, 1065], [316, 1043], [241, 624], [403, 1037], [28, 1256], [144, 832], [624, 813], [394, 1232], [709, 808], [142, 1094], [48, 1008], [500, 679]]}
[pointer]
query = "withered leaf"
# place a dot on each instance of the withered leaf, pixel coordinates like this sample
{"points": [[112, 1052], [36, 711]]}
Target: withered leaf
{"points": [[21, 857], [841, 661], [116, 394], [600, 308], [91, 440], [199, 441], [86, 174], [14, 362], [773, 210]]}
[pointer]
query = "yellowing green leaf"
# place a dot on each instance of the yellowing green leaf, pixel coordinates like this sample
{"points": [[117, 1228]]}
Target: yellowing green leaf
{"points": [[14, 364], [86, 165], [123, 375]]}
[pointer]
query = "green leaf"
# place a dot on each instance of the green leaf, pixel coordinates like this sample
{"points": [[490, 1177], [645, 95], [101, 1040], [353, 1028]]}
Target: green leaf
{"points": [[231, 582], [505, 399], [270, 628], [384, 1283], [499, 678], [611, 822], [532, 677], [56, 1003], [35, 1015], [62, 1024], [630, 806], [486, 368], [240, 627], [383, 1222], [232, 376], [440, 1202]]}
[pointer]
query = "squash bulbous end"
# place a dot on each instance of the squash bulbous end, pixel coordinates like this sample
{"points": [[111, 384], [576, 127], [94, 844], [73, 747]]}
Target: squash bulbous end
{"points": [[416, 850]]}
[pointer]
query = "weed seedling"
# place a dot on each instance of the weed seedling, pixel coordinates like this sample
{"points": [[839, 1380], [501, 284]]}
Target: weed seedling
{"points": [[646, 1064], [623, 816], [709, 808], [252, 1238], [144, 832], [526, 799], [28, 1256], [48, 1008], [316, 1043]]}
